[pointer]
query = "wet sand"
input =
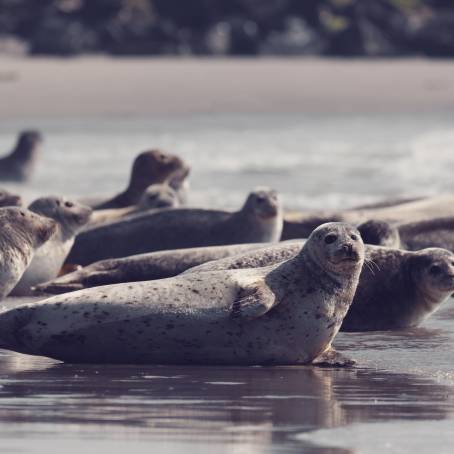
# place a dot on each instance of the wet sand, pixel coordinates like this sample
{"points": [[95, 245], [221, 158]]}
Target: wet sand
{"points": [[132, 86], [45, 405]]}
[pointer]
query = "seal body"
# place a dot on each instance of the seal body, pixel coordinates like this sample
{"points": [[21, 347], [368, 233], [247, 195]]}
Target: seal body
{"points": [[20, 163], [70, 217], [21, 234], [155, 197], [283, 315], [260, 220], [150, 167]]}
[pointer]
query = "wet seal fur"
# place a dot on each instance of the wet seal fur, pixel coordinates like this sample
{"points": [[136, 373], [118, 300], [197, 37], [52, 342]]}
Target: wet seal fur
{"points": [[21, 234], [20, 163], [259, 220], [70, 217], [156, 196], [287, 314], [150, 167]]}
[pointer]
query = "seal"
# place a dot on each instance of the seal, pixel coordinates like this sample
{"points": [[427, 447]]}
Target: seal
{"points": [[142, 267], [259, 220], [8, 199], [150, 167], [287, 314], [21, 234], [380, 233], [156, 196], [20, 163], [70, 217], [397, 289]]}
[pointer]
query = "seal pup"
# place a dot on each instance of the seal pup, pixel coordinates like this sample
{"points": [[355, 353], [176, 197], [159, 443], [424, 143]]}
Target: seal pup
{"points": [[141, 267], [259, 220], [8, 199], [150, 167], [287, 314], [156, 196], [20, 163], [70, 217], [21, 234], [397, 289]]}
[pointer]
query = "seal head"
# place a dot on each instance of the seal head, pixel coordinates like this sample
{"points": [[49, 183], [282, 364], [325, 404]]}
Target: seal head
{"points": [[8, 199], [379, 233], [159, 196]]}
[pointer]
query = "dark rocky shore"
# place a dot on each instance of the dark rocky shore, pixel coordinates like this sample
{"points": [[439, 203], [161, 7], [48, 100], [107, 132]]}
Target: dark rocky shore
{"points": [[233, 27]]}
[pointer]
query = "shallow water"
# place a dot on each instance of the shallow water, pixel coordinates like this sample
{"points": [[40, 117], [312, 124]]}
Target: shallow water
{"points": [[399, 398]]}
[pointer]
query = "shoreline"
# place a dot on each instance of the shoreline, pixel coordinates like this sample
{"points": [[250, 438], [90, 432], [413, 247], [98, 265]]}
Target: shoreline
{"points": [[104, 86]]}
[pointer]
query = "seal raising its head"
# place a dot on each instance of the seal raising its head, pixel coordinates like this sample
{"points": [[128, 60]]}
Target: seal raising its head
{"points": [[21, 234], [70, 217], [150, 167], [19, 164], [259, 220], [283, 315]]}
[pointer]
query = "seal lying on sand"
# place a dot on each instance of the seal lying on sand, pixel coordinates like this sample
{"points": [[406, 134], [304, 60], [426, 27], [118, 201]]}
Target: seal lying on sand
{"points": [[282, 315], [142, 267], [260, 220], [21, 234], [8, 199], [150, 167], [299, 225], [156, 196], [397, 289], [70, 217], [20, 163]]}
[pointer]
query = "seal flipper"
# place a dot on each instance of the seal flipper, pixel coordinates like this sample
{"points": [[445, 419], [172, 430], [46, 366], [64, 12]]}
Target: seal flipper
{"points": [[253, 301], [332, 358]]}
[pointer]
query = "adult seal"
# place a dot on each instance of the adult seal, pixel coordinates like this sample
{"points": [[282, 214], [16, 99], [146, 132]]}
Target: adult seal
{"points": [[397, 289], [20, 163], [21, 234], [69, 217], [150, 167], [155, 197], [288, 314], [259, 220]]}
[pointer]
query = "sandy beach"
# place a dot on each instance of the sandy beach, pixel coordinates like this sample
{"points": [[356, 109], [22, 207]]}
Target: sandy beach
{"points": [[98, 86]]}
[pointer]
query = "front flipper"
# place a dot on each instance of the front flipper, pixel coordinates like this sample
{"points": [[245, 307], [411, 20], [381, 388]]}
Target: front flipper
{"points": [[332, 358], [253, 300]]}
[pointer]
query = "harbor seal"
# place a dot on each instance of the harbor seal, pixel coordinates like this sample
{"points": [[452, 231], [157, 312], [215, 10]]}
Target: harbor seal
{"points": [[283, 315], [20, 163], [259, 220], [8, 199], [21, 234], [70, 217], [150, 167], [380, 233], [156, 196], [397, 289]]}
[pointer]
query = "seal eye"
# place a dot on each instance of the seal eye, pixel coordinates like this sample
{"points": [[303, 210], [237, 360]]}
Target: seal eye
{"points": [[330, 238], [434, 270], [354, 237], [69, 204]]}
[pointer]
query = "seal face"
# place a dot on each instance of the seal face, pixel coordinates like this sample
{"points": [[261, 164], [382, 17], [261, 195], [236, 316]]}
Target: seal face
{"points": [[259, 220], [150, 167], [159, 196], [20, 163], [21, 234], [70, 217], [281, 315]]}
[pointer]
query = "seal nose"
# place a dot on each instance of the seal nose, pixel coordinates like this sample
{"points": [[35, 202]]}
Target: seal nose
{"points": [[348, 249]]}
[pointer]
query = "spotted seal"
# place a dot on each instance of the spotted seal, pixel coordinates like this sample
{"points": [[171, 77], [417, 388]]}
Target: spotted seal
{"points": [[287, 314], [70, 217], [20, 163], [149, 167], [259, 220], [21, 234], [156, 196]]}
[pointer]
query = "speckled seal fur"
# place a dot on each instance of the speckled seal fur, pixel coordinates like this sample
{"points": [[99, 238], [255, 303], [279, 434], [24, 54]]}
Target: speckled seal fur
{"points": [[21, 234], [281, 315], [259, 220], [48, 259]]}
